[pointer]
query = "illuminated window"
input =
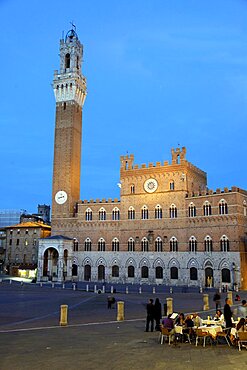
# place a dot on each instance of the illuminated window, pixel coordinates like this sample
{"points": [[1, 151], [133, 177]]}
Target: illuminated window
{"points": [[173, 211], [207, 209], [208, 244], [173, 244], [144, 245], [224, 244], [158, 244], [131, 213], [144, 213], [75, 245], [223, 210], [26, 242], [115, 245], [88, 245], [88, 214], [158, 212], [115, 214], [172, 185], [102, 214], [131, 245], [192, 210], [192, 244], [101, 245]]}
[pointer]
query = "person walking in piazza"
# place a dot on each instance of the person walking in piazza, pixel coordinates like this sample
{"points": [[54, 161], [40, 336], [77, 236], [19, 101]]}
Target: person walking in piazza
{"points": [[150, 315], [216, 300], [228, 314], [157, 314], [242, 310]]}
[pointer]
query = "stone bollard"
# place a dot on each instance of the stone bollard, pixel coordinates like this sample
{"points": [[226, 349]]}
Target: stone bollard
{"points": [[95, 289], [171, 290], [63, 315], [87, 288], [200, 290], [140, 290], [169, 302], [103, 289], [111, 289], [127, 290], [41, 284], [10, 281], [53, 285], [63, 286], [120, 311], [154, 290], [229, 296], [205, 302], [74, 286]]}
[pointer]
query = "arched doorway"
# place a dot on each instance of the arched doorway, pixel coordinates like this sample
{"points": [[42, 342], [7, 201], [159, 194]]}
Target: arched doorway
{"points": [[101, 272], [87, 273], [209, 277], [50, 266], [159, 272], [74, 269]]}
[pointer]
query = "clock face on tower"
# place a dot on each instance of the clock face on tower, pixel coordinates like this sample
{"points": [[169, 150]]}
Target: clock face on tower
{"points": [[150, 185], [61, 197]]}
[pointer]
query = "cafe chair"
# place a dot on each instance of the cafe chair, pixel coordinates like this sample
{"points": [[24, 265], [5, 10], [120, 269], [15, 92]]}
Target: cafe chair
{"points": [[165, 333], [223, 334], [202, 335], [242, 338]]}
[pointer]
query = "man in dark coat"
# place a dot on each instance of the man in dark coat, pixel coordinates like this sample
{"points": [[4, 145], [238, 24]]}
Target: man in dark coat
{"points": [[150, 315], [228, 314]]}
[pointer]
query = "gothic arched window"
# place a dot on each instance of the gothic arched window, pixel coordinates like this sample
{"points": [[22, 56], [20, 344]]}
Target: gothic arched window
{"points": [[173, 211], [131, 245], [192, 210], [88, 245], [173, 244], [192, 244], [158, 244], [144, 244], [224, 244], [67, 60], [144, 213], [207, 209], [158, 212], [101, 245], [131, 213], [223, 209], [115, 245], [208, 244]]}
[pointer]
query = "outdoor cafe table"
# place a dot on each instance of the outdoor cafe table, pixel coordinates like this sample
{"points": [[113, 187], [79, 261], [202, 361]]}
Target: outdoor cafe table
{"points": [[212, 330]]}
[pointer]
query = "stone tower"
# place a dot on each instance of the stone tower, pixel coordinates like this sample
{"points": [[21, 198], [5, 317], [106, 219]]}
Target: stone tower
{"points": [[70, 92]]}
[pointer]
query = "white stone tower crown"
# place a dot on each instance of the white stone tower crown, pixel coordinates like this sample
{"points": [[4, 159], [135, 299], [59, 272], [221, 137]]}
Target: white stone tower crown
{"points": [[69, 83]]}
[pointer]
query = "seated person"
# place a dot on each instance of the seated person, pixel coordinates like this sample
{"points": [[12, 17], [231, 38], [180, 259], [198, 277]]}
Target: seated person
{"points": [[237, 298], [197, 320], [180, 320], [168, 323], [241, 325], [219, 316]]}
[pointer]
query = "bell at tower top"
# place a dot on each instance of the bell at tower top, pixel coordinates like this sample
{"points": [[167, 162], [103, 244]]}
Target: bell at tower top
{"points": [[71, 35]]}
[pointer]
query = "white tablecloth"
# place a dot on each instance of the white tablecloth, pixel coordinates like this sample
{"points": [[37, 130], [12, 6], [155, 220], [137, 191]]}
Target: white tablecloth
{"points": [[213, 330]]}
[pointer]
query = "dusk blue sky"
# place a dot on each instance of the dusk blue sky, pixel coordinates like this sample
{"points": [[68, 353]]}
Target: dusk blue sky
{"points": [[159, 73]]}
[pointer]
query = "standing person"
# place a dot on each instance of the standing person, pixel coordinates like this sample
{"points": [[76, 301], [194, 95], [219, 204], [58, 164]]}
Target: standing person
{"points": [[228, 314], [157, 314], [216, 300], [150, 315], [242, 310]]}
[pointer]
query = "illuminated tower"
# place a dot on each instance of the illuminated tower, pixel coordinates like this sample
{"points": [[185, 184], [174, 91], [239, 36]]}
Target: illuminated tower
{"points": [[70, 92]]}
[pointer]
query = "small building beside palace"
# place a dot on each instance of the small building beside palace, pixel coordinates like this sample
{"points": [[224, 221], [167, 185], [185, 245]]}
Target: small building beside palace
{"points": [[166, 228]]}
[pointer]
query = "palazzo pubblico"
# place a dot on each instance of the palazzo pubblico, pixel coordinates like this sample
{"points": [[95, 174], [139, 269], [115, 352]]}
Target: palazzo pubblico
{"points": [[167, 228]]}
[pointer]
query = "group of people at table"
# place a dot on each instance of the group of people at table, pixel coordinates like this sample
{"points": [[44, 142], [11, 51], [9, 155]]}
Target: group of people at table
{"points": [[184, 327]]}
